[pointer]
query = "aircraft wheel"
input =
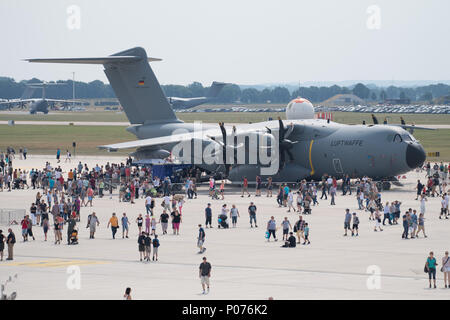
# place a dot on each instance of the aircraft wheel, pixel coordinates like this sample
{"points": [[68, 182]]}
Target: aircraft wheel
{"points": [[379, 185], [386, 185]]}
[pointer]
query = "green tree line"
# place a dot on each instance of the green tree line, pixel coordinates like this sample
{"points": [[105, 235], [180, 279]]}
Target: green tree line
{"points": [[10, 89]]}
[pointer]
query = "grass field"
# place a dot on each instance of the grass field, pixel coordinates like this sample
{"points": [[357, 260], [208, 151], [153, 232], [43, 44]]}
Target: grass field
{"points": [[230, 117], [45, 139]]}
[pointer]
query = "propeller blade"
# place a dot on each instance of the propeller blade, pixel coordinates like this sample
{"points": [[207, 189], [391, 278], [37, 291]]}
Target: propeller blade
{"points": [[289, 130], [291, 157]]}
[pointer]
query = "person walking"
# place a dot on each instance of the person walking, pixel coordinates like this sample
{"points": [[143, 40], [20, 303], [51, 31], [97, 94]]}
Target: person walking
{"points": [[306, 234], [347, 220], [127, 295], [156, 244], [141, 245], [201, 239], [10, 241], [286, 225], [2, 244], [252, 214], [387, 214], [245, 187], [405, 225], [125, 225], [421, 226], [176, 220], [208, 215], [355, 226], [299, 228], [140, 222], [377, 220], [205, 274], [446, 269], [70, 227], [92, 224], [271, 228], [148, 204], [234, 214], [164, 220], [114, 222], [430, 267], [332, 194], [148, 247]]}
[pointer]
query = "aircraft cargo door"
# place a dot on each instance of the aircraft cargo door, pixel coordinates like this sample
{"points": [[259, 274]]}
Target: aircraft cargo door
{"points": [[337, 165]]}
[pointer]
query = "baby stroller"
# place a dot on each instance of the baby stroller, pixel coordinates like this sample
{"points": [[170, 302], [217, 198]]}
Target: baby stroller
{"points": [[74, 237], [222, 221], [215, 194]]}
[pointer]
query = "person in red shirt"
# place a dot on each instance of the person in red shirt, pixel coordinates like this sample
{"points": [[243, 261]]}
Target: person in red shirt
{"points": [[24, 224], [90, 194], [245, 187], [132, 192]]}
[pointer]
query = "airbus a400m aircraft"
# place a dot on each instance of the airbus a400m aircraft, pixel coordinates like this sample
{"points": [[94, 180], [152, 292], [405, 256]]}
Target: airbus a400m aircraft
{"points": [[286, 150]]}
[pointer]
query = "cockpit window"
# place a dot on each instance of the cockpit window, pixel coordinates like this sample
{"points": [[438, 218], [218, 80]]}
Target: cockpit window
{"points": [[407, 138], [397, 138]]}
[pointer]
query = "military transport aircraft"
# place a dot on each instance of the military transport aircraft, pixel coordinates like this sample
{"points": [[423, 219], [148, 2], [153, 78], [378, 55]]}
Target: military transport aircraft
{"points": [[36, 104], [186, 103], [286, 150]]}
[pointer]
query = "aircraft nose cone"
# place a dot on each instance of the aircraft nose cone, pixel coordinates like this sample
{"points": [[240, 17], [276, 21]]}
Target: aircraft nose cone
{"points": [[415, 155]]}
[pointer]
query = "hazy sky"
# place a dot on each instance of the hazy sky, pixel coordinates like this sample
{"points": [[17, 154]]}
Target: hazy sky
{"points": [[239, 41]]}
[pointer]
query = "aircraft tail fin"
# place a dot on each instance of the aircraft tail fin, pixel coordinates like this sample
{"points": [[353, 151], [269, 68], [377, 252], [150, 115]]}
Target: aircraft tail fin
{"points": [[27, 93], [215, 89], [134, 84]]}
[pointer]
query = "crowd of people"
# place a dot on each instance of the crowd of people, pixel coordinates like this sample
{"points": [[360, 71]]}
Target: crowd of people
{"points": [[61, 195]]}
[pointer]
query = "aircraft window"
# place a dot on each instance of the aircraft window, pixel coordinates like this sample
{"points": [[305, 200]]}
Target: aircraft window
{"points": [[407, 138], [398, 138]]}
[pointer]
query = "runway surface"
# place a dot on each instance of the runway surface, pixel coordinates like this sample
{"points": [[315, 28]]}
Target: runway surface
{"points": [[245, 265]]}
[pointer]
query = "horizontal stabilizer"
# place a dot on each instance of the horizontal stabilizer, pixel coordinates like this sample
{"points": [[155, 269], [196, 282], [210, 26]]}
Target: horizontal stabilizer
{"points": [[99, 60]]}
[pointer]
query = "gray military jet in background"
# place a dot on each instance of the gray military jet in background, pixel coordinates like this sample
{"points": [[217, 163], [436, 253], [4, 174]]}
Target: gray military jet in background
{"points": [[36, 104], [186, 103], [298, 149]]}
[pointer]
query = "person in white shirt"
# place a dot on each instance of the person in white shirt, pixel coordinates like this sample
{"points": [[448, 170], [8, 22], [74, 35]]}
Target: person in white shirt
{"points": [[166, 202], [444, 208], [148, 203], [290, 201]]}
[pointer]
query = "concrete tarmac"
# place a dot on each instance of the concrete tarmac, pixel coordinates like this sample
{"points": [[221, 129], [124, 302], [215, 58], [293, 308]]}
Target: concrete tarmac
{"points": [[374, 265]]}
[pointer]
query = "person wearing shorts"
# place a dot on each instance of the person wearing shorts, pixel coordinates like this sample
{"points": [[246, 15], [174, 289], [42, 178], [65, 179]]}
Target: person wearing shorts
{"points": [[446, 269], [355, 226], [141, 245], [347, 220], [286, 227], [140, 221], [164, 220], [148, 247], [176, 220], [204, 273]]}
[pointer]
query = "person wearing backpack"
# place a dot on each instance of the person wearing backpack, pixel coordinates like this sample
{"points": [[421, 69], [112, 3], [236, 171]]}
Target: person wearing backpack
{"points": [[155, 247]]}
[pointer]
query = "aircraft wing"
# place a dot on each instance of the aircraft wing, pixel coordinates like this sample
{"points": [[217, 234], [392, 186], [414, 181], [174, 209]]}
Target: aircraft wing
{"points": [[404, 126], [176, 138], [206, 135], [58, 100]]}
